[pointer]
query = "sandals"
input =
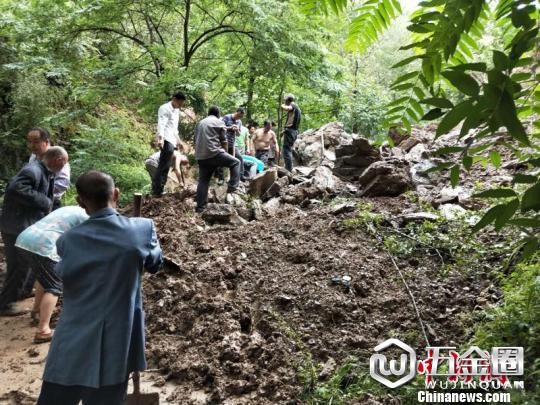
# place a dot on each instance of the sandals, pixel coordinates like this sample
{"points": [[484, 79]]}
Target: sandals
{"points": [[43, 337]]}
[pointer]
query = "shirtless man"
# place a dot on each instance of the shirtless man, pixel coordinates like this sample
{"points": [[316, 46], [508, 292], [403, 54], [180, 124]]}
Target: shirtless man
{"points": [[262, 141]]}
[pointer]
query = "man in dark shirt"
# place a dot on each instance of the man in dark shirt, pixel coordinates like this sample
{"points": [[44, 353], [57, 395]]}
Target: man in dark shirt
{"points": [[210, 146], [28, 198], [294, 115], [233, 124]]}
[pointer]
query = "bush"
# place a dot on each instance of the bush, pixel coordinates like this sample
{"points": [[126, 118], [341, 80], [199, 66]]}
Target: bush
{"points": [[115, 143], [516, 323], [365, 112]]}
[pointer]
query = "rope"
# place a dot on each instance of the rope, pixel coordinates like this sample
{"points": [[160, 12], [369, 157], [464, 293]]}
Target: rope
{"points": [[412, 299]]}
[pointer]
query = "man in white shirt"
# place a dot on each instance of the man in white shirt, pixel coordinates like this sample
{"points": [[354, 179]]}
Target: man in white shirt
{"points": [[167, 139]]}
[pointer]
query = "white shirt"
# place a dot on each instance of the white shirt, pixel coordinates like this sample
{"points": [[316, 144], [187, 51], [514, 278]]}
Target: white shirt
{"points": [[168, 118]]}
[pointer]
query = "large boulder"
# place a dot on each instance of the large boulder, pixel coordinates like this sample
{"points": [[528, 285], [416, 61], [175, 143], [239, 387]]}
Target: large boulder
{"points": [[315, 146], [262, 182], [324, 180], [385, 178], [353, 158]]}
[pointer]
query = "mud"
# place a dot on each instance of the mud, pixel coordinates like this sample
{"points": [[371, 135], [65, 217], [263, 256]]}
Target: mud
{"points": [[252, 304]]}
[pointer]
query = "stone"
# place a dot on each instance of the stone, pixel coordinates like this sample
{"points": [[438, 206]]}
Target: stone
{"points": [[257, 207], [417, 217], [262, 182], [452, 211], [219, 213], [313, 147], [419, 175], [352, 159], [275, 188], [303, 171], [323, 179], [385, 178], [409, 143], [344, 208], [272, 206], [417, 153], [458, 194]]}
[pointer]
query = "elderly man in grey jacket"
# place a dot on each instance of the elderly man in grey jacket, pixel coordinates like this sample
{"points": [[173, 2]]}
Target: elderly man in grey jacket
{"points": [[28, 198], [99, 339]]}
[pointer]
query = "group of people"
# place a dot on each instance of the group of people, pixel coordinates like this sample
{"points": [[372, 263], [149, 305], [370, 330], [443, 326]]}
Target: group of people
{"points": [[91, 255], [220, 142], [94, 257]]}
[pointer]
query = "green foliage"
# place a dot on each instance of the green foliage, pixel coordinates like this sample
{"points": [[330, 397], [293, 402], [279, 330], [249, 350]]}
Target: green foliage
{"points": [[364, 114], [517, 323], [116, 144]]}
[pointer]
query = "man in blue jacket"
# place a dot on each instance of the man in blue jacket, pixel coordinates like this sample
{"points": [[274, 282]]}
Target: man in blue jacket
{"points": [[28, 198], [99, 339]]}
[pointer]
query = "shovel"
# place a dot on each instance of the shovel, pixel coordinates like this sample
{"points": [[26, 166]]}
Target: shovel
{"points": [[141, 399]]}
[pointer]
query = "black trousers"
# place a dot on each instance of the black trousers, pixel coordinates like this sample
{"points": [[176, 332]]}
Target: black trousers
{"points": [[18, 272], [288, 143], [162, 171], [56, 394], [207, 168], [219, 172]]}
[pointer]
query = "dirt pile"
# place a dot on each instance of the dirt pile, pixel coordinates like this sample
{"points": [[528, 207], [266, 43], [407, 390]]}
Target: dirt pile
{"points": [[253, 303]]}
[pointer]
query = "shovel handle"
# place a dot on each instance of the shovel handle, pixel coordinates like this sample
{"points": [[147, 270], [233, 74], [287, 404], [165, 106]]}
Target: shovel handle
{"points": [[136, 382]]}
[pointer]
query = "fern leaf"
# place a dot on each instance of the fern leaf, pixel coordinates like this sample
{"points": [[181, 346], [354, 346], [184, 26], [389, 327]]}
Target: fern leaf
{"points": [[372, 18]]}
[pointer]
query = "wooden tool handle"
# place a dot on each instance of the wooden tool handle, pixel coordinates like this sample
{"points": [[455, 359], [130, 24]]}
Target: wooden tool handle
{"points": [[136, 382]]}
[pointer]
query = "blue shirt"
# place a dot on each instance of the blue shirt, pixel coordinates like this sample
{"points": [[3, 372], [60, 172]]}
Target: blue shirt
{"points": [[99, 338], [41, 237], [229, 121], [255, 161]]}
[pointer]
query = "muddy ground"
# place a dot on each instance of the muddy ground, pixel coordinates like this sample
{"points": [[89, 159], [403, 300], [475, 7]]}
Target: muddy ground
{"points": [[250, 304]]}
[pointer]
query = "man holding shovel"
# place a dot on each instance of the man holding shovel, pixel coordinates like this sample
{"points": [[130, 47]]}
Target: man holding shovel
{"points": [[99, 339]]}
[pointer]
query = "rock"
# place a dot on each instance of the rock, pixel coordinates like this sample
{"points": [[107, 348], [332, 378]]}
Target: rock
{"points": [[236, 200], [458, 194], [396, 136], [385, 178], [417, 217], [219, 194], [219, 214], [323, 179], [262, 182], [409, 143], [417, 154], [344, 208], [327, 369], [257, 207], [452, 211], [272, 206], [313, 147], [352, 159], [419, 175], [275, 188], [282, 172], [397, 152], [303, 171]]}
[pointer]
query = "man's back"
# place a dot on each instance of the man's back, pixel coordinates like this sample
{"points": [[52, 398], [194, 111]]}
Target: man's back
{"points": [[28, 198], [101, 266], [209, 135]]}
